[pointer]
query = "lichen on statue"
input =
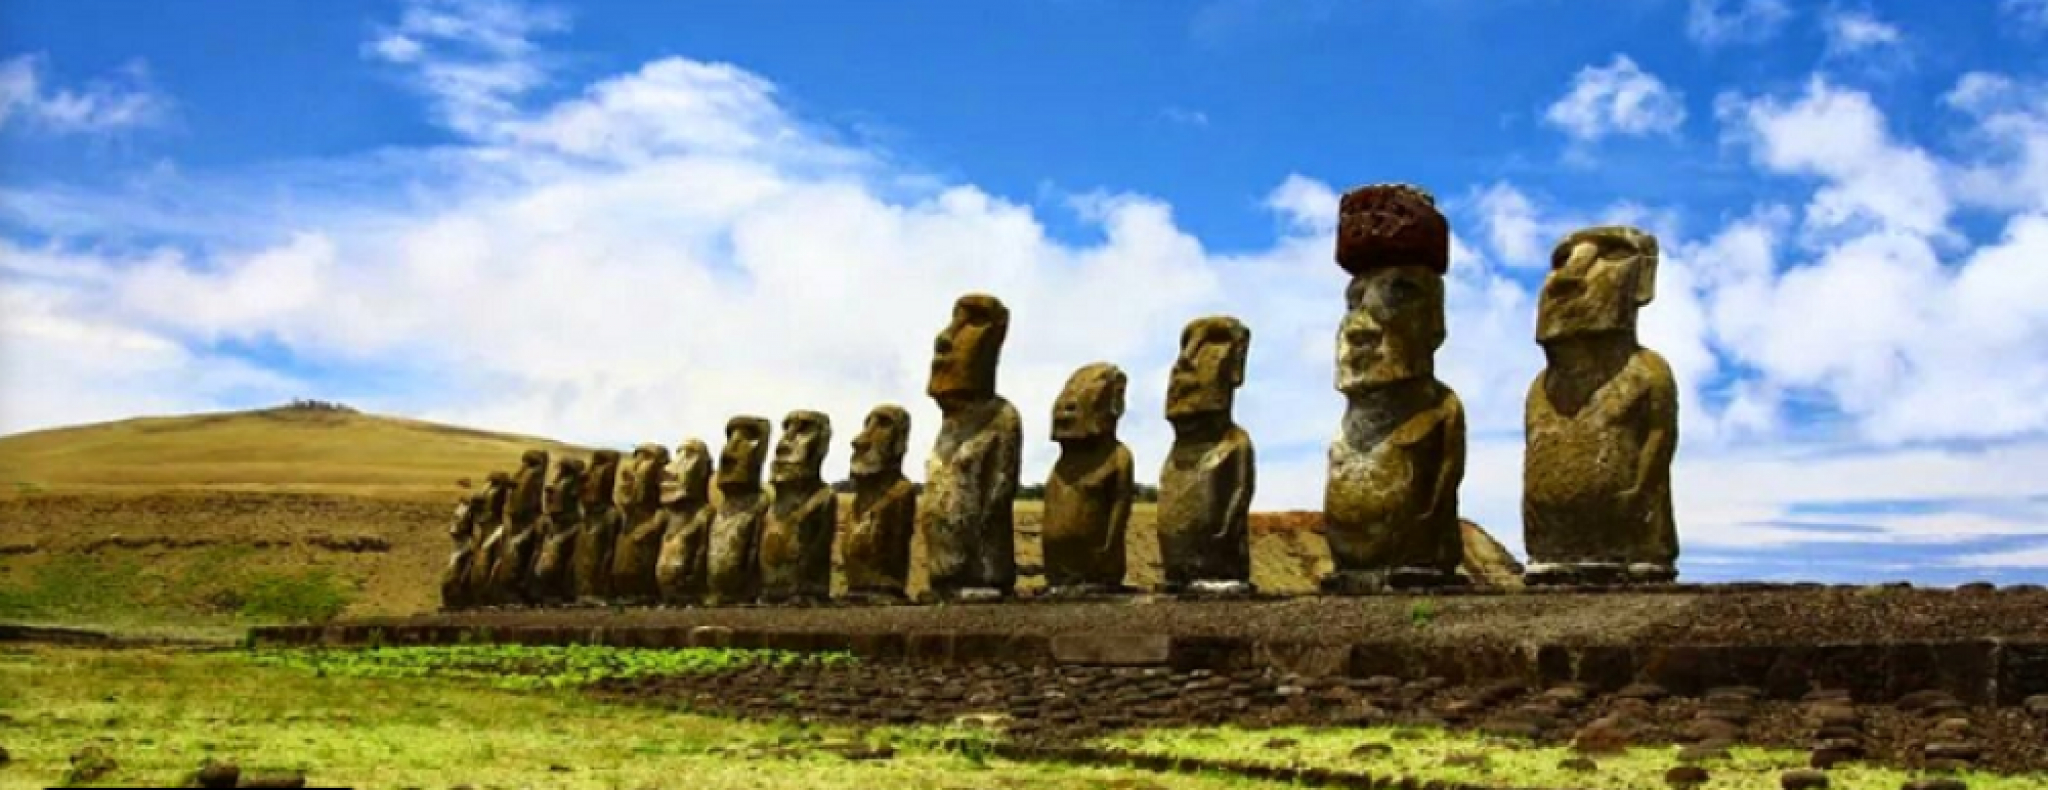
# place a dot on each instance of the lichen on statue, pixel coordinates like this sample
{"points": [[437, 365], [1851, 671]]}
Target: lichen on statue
{"points": [[595, 539], [1602, 420], [882, 522], [679, 572], [803, 515], [513, 559], [733, 558], [971, 476], [1088, 495], [1206, 485], [1391, 496], [552, 581], [637, 495]]}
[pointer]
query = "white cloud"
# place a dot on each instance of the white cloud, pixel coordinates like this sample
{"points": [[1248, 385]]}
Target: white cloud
{"points": [[2010, 138], [1185, 116], [474, 58], [1308, 205], [124, 100], [1840, 136], [1851, 31], [2033, 13], [1617, 99], [1719, 22], [1512, 227]]}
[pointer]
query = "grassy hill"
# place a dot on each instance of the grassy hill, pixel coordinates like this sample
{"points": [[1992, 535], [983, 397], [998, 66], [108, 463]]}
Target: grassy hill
{"points": [[302, 449]]}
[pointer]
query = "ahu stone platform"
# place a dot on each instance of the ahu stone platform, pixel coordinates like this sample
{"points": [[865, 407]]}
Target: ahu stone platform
{"points": [[1986, 646]]}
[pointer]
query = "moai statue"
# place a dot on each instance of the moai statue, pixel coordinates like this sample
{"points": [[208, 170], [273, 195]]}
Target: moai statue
{"points": [[1088, 496], [490, 525], [553, 579], [971, 478], [592, 558], [455, 590], [686, 503], [1205, 490], [522, 512], [733, 560], [876, 553], [1391, 500], [803, 516], [637, 494], [1602, 421]]}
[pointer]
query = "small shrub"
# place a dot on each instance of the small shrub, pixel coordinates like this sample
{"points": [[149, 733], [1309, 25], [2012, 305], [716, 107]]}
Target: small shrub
{"points": [[1421, 613], [312, 597]]}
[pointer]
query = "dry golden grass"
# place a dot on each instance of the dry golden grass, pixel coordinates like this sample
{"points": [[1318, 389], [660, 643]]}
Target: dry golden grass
{"points": [[270, 450]]}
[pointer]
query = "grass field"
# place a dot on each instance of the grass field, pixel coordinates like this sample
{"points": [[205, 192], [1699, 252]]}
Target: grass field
{"points": [[430, 719]]}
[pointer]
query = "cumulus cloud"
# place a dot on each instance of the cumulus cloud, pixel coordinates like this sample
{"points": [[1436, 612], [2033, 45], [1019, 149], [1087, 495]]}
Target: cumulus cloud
{"points": [[1840, 136], [123, 100], [1721, 22], [473, 58], [1851, 31], [1616, 99]]}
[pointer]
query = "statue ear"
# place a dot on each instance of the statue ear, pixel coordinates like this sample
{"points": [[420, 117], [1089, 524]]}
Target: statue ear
{"points": [[1646, 269], [1240, 351], [1117, 382]]}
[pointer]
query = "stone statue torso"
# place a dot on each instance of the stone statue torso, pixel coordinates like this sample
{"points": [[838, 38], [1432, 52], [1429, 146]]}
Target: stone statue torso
{"points": [[679, 572], [733, 558], [1384, 472], [1579, 468], [1204, 509], [970, 490], [878, 534], [796, 543], [1087, 508]]}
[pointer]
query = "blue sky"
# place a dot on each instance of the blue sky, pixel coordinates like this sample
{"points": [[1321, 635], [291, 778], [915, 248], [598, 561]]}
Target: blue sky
{"points": [[621, 222]]}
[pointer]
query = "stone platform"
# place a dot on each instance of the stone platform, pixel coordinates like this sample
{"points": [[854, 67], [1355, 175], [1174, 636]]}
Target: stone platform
{"points": [[1987, 647]]}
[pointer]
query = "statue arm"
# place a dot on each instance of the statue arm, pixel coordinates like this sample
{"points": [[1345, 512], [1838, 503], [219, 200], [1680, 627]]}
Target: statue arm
{"points": [[1242, 478], [1449, 473], [1660, 441], [1124, 480]]}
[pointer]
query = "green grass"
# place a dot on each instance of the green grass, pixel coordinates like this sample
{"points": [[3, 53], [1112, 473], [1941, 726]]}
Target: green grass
{"points": [[159, 714], [522, 667], [1422, 752], [211, 596]]}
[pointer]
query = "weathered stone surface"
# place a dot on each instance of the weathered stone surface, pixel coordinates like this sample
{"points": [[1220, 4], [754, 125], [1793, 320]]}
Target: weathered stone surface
{"points": [[1391, 498], [1487, 563], [553, 579], [1116, 650], [734, 556], [490, 533], [599, 531], [1205, 489], [876, 554], [803, 517], [642, 521], [1602, 420], [455, 578], [679, 571], [1803, 779], [514, 557], [1088, 496], [971, 477]]}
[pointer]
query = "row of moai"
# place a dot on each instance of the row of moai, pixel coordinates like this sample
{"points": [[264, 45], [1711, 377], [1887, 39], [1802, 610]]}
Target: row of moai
{"points": [[1601, 425]]}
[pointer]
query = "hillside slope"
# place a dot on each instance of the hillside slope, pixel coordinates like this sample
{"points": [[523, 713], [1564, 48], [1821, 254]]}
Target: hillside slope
{"points": [[296, 449]]}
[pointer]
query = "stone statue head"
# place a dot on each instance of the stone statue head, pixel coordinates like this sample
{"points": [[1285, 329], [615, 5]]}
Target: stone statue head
{"points": [[533, 461], [746, 447], [1599, 277], [1391, 225], [800, 453], [1210, 367], [965, 355], [1090, 405], [1393, 325], [692, 471], [497, 489], [883, 440], [568, 483], [598, 482], [639, 479]]}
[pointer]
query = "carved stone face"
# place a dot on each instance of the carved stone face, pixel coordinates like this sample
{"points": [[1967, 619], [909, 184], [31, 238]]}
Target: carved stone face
{"points": [[597, 483], [746, 447], [883, 440], [533, 461], [693, 470], [964, 356], [1090, 405], [1210, 367], [568, 483], [800, 453], [639, 482], [1598, 279], [1392, 327]]}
